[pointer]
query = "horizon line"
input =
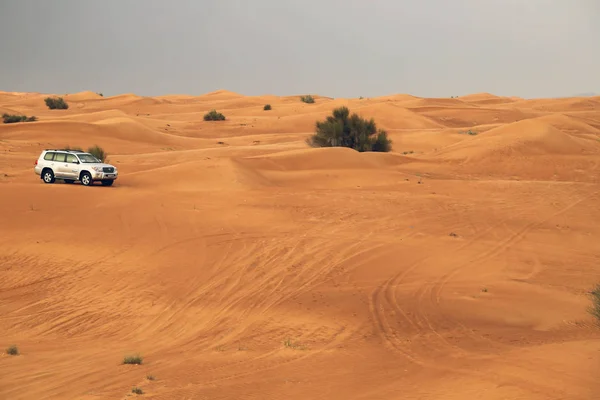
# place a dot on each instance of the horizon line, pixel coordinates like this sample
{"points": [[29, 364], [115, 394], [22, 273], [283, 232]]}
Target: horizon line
{"points": [[218, 91]]}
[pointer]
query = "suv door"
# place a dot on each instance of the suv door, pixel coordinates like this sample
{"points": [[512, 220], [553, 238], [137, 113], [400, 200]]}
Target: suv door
{"points": [[61, 168], [71, 170]]}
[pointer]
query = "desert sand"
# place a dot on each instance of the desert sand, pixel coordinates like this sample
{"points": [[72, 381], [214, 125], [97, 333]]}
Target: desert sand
{"points": [[242, 264]]}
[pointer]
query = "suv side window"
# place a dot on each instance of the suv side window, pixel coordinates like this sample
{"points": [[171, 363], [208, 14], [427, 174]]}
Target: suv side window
{"points": [[48, 156], [71, 158], [60, 157]]}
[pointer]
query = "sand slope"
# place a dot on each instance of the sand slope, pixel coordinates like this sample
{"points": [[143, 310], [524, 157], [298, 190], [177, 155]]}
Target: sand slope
{"points": [[242, 264]]}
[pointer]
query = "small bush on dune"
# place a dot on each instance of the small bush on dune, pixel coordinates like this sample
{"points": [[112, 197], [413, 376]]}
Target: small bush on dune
{"points": [[307, 99], [595, 309], [344, 130], [213, 115], [293, 345], [267, 107], [12, 350], [56, 103], [98, 152], [11, 118], [133, 360]]}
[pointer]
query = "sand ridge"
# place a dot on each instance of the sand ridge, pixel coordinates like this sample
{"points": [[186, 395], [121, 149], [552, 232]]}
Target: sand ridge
{"points": [[241, 263]]}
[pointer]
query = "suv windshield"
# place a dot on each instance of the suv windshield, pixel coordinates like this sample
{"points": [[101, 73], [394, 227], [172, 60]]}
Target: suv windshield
{"points": [[87, 158]]}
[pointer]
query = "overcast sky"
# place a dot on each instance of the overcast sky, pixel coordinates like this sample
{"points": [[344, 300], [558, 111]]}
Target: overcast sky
{"points": [[337, 48]]}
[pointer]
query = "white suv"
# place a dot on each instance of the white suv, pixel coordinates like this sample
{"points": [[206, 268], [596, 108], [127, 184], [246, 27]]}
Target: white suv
{"points": [[71, 166]]}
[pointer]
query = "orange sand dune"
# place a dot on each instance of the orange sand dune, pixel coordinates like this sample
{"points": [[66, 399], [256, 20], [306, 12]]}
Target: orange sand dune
{"points": [[488, 98], [437, 103], [561, 105], [524, 138], [483, 96], [322, 159], [573, 124], [461, 117], [82, 96], [222, 95], [390, 116], [241, 263], [533, 148]]}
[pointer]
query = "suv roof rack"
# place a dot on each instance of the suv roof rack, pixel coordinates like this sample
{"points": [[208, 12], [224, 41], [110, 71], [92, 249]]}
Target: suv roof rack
{"points": [[66, 150]]}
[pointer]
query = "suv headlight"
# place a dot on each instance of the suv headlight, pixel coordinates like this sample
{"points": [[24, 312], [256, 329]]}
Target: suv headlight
{"points": [[97, 169]]}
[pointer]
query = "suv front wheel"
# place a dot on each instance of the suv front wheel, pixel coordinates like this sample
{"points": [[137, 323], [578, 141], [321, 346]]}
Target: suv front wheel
{"points": [[86, 179], [48, 176]]}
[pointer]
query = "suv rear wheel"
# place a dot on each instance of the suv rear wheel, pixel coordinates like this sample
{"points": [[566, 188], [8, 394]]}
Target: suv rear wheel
{"points": [[48, 176], [86, 179]]}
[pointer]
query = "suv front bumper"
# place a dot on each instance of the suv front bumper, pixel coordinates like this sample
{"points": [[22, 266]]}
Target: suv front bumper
{"points": [[101, 176]]}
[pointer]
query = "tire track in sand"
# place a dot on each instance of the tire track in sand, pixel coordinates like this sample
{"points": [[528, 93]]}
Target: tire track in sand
{"points": [[433, 289], [384, 296]]}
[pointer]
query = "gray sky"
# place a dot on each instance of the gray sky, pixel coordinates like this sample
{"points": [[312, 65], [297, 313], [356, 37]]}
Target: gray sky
{"points": [[338, 48]]}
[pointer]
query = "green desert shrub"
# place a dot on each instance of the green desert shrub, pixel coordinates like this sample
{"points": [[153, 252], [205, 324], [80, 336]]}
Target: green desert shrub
{"points": [[98, 152], [267, 107], [133, 360], [12, 350], [12, 118], [307, 99], [213, 115], [56, 103], [344, 130]]}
